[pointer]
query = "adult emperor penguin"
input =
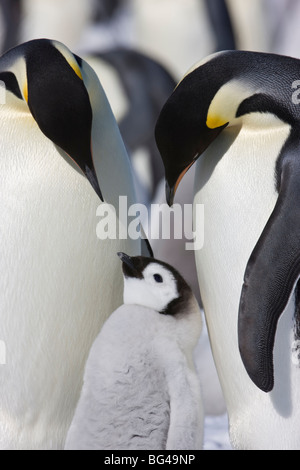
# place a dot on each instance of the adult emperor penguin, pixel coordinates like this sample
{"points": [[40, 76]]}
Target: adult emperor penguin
{"points": [[58, 280], [240, 112], [141, 390]]}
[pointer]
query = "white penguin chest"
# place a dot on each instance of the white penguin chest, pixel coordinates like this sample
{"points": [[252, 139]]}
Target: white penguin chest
{"points": [[235, 180]]}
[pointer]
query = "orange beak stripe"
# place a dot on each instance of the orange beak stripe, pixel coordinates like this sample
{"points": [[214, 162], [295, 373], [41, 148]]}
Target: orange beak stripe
{"points": [[182, 175]]}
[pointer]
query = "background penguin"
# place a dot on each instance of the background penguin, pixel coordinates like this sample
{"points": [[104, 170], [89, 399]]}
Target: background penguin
{"points": [[62, 20], [106, 9], [60, 153], [137, 87], [222, 24], [241, 111], [140, 387], [11, 13]]}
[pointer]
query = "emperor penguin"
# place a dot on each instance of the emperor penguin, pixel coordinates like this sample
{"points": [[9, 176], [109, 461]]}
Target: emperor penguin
{"points": [[141, 390], [61, 154], [237, 115]]}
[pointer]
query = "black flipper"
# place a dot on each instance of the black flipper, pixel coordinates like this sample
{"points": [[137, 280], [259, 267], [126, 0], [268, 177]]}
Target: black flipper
{"points": [[271, 274]]}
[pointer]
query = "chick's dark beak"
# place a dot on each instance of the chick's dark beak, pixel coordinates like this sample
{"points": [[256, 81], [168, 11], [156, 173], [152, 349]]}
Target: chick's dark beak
{"points": [[128, 266], [125, 259]]}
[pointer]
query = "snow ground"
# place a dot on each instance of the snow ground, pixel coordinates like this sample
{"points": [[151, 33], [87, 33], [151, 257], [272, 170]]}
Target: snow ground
{"points": [[216, 433]]}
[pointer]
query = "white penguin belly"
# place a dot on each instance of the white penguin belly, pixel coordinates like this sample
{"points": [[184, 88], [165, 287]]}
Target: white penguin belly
{"points": [[238, 193], [56, 285]]}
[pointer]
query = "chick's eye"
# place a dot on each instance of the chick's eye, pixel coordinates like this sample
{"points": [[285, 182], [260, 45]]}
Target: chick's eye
{"points": [[158, 278]]}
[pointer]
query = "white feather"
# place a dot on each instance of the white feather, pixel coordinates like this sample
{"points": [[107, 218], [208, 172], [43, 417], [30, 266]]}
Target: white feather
{"points": [[140, 387]]}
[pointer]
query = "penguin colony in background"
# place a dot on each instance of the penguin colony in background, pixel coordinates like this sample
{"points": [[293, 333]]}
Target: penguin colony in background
{"points": [[237, 115], [141, 390], [61, 153], [136, 85], [137, 88]]}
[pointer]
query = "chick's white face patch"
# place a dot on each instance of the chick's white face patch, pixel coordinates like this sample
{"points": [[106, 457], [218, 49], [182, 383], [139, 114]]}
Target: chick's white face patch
{"points": [[155, 290]]}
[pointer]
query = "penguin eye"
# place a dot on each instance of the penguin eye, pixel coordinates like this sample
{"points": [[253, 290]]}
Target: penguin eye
{"points": [[158, 278]]}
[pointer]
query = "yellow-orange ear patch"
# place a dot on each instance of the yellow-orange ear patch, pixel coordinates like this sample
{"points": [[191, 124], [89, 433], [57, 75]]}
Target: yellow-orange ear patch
{"points": [[69, 58], [25, 91], [74, 65], [213, 121], [225, 103]]}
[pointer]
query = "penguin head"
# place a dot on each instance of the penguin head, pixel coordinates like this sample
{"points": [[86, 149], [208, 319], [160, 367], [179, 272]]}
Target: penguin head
{"points": [[234, 88], [154, 284], [221, 91], [44, 77]]}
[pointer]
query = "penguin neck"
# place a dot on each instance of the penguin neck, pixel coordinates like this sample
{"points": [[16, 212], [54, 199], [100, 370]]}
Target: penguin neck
{"points": [[110, 157]]}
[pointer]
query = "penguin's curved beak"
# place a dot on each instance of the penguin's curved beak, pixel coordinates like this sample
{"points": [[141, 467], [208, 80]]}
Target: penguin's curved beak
{"points": [[170, 193], [90, 173], [171, 190]]}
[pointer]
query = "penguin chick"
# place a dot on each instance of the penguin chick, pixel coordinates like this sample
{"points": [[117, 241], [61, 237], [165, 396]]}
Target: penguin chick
{"points": [[140, 387]]}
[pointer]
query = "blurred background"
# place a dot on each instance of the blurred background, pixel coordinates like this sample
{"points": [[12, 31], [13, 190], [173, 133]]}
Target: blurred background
{"points": [[175, 32], [140, 49]]}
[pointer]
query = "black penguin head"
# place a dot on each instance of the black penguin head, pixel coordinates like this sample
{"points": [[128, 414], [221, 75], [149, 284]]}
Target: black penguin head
{"points": [[48, 77], [221, 92], [154, 284]]}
